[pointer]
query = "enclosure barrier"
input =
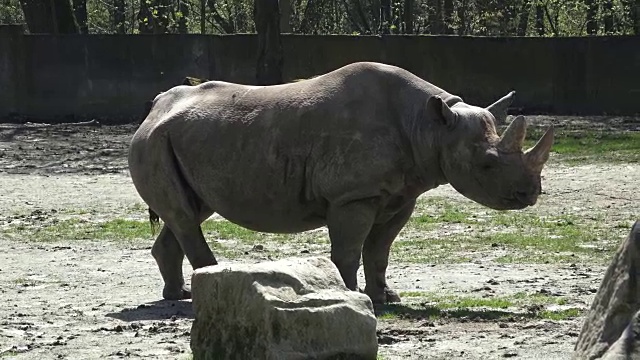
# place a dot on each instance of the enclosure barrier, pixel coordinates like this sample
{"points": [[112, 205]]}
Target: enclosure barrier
{"points": [[58, 77]]}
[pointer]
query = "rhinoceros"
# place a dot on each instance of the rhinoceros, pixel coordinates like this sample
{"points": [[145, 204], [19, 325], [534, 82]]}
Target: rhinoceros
{"points": [[351, 150]]}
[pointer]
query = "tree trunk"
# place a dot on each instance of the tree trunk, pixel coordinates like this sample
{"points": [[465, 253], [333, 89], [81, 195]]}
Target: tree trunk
{"points": [[119, 14], [396, 17], [592, 11], [634, 13], [540, 19], [408, 16], [448, 16], [373, 22], [145, 20], [523, 21], [311, 17], [462, 16], [80, 12], [161, 16], [226, 25], [607, 9], [385, 21], [153, 17], [66, 23], [49, 16], [509, 11], [266, 14], [435, 17], [285, 16], [203, 11], [631, 9], [183, 8]]}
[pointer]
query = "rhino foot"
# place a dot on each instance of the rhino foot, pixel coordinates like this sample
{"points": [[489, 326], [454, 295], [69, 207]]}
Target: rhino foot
{"points": [[387, 296], [181, 293], [391, 296]]}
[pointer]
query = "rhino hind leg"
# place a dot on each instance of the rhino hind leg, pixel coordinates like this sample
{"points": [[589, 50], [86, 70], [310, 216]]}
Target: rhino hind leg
{"points": [[348, 228], [375, 256], [169, 256], [162, 185]]}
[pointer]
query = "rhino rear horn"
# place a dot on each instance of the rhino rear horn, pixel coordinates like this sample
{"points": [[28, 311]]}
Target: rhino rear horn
{"points": [[538, 155], [499, 108], [513, 137]]}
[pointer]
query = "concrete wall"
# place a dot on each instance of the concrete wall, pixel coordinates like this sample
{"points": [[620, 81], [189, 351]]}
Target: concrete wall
{"points": [[111, 76]]}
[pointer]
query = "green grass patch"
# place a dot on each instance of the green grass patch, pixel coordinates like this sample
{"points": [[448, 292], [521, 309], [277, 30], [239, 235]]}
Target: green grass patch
{"points": [[228, 230], [560, 314], [453, 231], [498, 302], [429, 305], [225, 238], [9, 353], [442, 230], [120, 230], [447, 213], [592, 146]]}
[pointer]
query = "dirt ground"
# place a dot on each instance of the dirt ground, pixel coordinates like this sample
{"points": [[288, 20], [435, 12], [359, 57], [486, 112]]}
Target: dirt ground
{"points": [[94, 300]]}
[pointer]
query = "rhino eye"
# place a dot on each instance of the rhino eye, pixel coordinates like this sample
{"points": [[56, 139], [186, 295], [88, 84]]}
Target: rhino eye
{"points": [[492, 155], [491, 159]]}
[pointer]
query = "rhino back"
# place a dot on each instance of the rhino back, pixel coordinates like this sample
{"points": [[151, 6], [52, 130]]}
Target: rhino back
{"points": [[273, 158]]}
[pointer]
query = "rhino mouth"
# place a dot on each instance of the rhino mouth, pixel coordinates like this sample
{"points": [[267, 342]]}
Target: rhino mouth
{"points": [[525, 198]]}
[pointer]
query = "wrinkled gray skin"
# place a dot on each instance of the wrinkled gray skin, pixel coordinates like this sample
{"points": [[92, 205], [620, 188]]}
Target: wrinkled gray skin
{"points": [[351, 149]]}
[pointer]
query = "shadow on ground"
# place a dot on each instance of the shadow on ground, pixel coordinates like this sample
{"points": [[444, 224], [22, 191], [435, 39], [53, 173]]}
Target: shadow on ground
{"points": [[156, 310], [419, 312]]}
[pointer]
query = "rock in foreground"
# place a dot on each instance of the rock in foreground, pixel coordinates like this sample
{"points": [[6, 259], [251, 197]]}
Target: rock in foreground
{"points": [[610, 330], [289, 309]]}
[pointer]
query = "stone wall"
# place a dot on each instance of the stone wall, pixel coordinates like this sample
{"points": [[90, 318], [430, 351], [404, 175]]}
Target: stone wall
{"points": [[66, 77]]}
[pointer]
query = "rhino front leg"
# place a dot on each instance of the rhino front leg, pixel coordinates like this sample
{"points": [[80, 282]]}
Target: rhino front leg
{"points": [[376, 256], [169, 257], [348, 227]]}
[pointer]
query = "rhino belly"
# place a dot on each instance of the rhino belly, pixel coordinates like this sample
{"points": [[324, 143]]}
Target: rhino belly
{"points": [[262, 203], [262, 216]]}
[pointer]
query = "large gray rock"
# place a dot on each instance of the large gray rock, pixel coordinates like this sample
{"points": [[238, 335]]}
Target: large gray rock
{"points": [[612, 317], [289, 309]]}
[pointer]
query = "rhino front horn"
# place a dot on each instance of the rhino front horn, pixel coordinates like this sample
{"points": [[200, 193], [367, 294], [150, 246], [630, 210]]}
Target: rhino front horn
{"points": [[499, 108], [538, 155], [513, 137]]}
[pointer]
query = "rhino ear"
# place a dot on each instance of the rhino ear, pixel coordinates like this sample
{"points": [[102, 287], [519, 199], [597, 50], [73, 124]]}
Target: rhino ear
{"points": [[499, 108], [438, 109]]}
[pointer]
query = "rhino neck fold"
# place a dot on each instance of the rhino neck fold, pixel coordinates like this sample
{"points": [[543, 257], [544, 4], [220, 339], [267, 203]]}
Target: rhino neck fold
{"points": [[426, 170]]}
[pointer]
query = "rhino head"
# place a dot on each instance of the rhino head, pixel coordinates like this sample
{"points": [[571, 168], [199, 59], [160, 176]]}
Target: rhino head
{"points": [[489, 169]]}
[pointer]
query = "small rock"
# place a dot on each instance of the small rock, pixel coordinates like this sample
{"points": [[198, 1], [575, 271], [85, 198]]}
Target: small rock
{"points": [[493, 282], [258, 247], [503, 325], [509, 354], [387, 340]]}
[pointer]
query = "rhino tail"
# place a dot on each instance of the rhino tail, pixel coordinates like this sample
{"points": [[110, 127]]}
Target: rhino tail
{"points": [[154, 221]]}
